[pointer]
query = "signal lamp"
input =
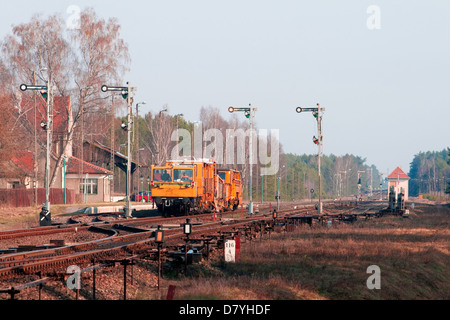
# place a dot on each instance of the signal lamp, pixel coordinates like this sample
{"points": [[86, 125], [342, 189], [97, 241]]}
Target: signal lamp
{"points": [[274, 214], [230, 109], [298, 109], [44, 93], [44, 125], [123, 126], [187, 227], [23, 87], [247, 114], [104, 88], [159, 235]]}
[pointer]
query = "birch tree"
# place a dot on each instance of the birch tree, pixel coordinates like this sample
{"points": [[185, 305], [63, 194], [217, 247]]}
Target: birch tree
{"points": [[76, 61]]}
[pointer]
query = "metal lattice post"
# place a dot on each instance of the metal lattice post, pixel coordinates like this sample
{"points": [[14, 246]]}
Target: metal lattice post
{"points": [[317, 113]]}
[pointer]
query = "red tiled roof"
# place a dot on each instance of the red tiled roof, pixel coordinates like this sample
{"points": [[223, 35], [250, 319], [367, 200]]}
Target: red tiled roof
{"points": [[398, 173], [73, 165], [24, 160]]}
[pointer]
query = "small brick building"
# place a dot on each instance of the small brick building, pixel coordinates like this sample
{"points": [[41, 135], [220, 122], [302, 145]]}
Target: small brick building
{"points": [[399, 180]]}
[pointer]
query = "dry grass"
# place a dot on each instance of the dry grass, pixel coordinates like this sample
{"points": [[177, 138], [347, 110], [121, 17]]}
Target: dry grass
{"points": [[28, 217], [310, 263], [331, 263], [17, 218]]}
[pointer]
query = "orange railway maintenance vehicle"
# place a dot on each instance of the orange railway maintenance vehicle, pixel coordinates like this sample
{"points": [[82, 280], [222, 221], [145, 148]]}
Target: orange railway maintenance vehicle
{"points": [[182, 186], [233, 187]]}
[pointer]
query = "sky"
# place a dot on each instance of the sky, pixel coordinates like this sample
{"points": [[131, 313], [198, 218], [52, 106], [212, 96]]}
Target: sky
{"points": [[381, 69]]}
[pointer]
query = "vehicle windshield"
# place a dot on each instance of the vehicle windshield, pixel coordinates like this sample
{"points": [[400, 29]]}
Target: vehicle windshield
{"points": [[182, 175], [162, 175], [222, 175]]}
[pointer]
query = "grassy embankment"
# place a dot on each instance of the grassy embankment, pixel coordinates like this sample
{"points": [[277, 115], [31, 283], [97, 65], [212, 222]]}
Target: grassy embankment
{"points": [[331, 263]]}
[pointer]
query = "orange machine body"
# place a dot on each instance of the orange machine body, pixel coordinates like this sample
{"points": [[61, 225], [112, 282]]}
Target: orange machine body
{"points": [[180, 187], [232, 187]]}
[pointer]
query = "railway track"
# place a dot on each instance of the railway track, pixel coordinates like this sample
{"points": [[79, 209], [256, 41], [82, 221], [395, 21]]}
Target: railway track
{"points": [[126, 239], [28, 262]]}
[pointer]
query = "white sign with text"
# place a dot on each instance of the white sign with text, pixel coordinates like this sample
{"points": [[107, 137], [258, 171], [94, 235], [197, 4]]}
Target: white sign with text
{"points": [[230, 250]]}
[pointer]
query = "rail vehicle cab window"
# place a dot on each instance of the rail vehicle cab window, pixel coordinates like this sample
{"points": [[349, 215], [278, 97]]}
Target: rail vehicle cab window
{"points": [[182, 175], [162, 175], [222, 175]]}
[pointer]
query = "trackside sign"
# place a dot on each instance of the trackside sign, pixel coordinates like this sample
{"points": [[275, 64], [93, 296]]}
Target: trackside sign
{"points": [[230, 251]]}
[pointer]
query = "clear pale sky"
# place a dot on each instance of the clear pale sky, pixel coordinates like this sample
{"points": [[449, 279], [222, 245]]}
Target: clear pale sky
{"points": [[386, 90]]}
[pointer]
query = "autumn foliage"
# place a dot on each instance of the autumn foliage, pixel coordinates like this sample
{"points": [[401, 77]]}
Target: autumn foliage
{"points": [[76, 62]]}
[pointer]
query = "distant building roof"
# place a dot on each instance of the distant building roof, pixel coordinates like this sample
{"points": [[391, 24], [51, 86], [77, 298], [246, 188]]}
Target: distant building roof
{"points": [[73, 165], [398, 173], [116, 153]]}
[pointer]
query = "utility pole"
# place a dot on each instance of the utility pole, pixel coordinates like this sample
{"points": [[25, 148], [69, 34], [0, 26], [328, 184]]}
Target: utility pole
{"points": [[250, 204], [129, 163], [35, 165], [344, 188], [278, 193], [293, 182], [137, 136], [178, 135], [111, 186], [126, 94], [381, 186], [317, 114], [262, 188], [319, 144], [359, 184], [47, 93], [46, 210], [249, 113], [81, 167]]}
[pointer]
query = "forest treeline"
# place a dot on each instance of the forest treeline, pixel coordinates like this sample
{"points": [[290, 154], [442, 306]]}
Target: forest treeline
{"points": [[430, 173], [297, 174]]}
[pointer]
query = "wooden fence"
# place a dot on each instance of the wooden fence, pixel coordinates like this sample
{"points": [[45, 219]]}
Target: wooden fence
{"points": [[27, 197]]}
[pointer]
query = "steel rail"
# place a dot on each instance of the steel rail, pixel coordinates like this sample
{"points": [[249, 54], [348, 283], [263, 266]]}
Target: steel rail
{"points": [[32, 262], [81, 252]]}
